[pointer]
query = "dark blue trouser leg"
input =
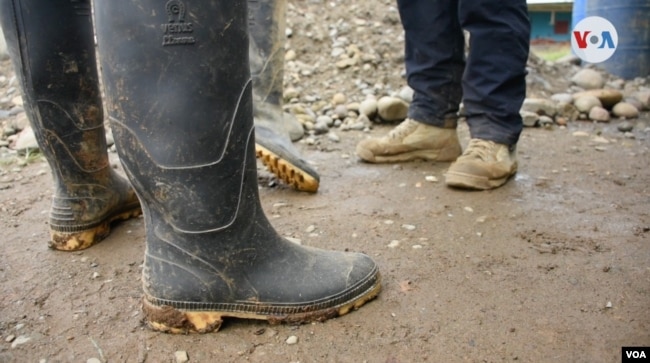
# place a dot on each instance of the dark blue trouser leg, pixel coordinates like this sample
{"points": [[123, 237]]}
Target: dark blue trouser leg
{"points": [[493, 83], [434, 59]]}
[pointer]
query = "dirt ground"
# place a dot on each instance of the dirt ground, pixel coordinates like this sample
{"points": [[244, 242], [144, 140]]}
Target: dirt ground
{"points": [[552, 267]]}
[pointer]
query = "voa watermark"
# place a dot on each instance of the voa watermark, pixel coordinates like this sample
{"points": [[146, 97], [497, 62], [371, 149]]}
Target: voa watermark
{"points": [[594, 39]]}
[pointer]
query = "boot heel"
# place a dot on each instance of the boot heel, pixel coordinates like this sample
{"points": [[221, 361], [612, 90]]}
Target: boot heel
{"points": [[82, 239], [167, 319]]}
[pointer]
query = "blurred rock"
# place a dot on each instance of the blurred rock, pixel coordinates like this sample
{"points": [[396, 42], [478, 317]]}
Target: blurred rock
{"points": [[624, 109], [588, 79]]}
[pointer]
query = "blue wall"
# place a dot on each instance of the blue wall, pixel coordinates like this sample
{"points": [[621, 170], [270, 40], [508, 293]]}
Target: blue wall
{"points": [[543, 29]]}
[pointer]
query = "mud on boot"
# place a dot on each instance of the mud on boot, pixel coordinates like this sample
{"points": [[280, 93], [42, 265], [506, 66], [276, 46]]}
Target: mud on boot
{"points": [[211, 253], [53, 52]]}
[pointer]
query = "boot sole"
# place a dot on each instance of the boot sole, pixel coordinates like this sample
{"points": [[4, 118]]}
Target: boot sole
{"points": [[368, 156], [286, 171], [167, 319], [79, 240], [449, 153], [469, 181]]}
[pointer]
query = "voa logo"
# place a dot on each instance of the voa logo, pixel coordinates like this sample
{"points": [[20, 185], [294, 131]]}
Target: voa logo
{"points": [[594, 39]]}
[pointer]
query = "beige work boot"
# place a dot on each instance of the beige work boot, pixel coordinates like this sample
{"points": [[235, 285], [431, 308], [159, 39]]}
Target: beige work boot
{"points": [[484, 165], [411, 140]]}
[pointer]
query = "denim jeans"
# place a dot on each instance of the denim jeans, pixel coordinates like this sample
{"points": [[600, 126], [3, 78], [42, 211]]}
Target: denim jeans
{"points": [[491, 81]]}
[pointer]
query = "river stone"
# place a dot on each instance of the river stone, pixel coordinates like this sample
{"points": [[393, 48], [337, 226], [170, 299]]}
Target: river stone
{"points": [[529, 118], [567, 111], [608, 97], [588, 79], [624, 109], [368, 107], [644, 98], [562, 97], [599, 114], [586, 102], [391, 109], [540, 106]]}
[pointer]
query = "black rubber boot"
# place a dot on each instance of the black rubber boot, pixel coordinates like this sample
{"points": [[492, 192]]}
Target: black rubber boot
{"points": [[179, 98], [52, 48], [266, 22]]}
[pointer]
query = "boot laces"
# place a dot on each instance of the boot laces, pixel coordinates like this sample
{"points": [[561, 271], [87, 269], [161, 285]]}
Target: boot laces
{"points": [[480, 149], [402, 130]]}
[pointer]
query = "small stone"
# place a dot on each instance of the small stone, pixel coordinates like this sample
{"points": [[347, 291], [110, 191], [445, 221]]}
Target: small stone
{"points": [[644, 98], [580, 134], [540, 106], [340, 111], [391, 109], [545, 121], [529, 118], [634, 102], [406, 93], [338, 99], [624, 109], [609, 305], [586, 103], [96, 275], [333, 137], [567, 110], [625, 126], [562, 98], [431, 179], [310, 229], [588, 79], [181, 356], [290, 93], [10, 338], [20, 340], [393, 244], [292, 340], [26, 140], [599, 114], [469, 209], [297, 241], [408, 227], [368, 107], [600, 140], [93, 360]]}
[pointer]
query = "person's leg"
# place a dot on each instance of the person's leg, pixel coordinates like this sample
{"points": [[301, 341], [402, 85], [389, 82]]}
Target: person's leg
{"points": [[178, 92], [494, 88], [434, 59], [266, 23], [52, 49]]}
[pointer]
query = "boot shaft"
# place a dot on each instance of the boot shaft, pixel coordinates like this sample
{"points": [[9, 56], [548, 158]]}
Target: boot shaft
{"points": [[178, 96], [52, 48], [267, 24]]}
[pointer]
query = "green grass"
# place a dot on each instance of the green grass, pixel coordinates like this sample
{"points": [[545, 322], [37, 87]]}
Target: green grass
{"points": [[551, 53]]}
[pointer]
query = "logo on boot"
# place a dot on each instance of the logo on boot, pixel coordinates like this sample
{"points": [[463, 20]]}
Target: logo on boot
{"points": [[176, 30]]}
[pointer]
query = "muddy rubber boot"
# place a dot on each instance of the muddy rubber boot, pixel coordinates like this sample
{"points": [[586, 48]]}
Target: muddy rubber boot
{"points": [[179, 98], [52, 48], [266, 22]]}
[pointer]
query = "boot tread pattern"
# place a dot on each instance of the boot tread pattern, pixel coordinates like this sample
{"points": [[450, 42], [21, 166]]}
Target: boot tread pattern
{"points": [[286, 171]]}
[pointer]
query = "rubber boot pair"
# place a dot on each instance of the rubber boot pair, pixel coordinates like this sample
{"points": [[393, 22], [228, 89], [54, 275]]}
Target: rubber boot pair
{"points": [[51, 45], [266, 23], [179, 98]]}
